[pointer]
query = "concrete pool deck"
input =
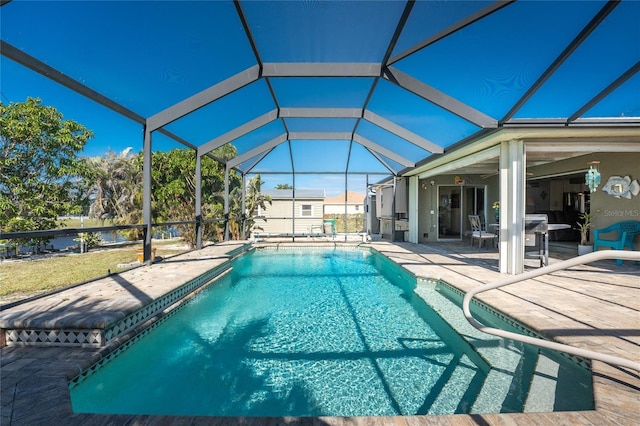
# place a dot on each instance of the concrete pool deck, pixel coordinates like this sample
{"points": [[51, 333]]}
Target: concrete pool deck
{"points": [[595, 306]]}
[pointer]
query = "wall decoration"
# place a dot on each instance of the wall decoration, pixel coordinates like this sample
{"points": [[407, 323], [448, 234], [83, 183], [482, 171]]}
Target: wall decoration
{"points": [[458, 180], [621, 187], [592, 177]]}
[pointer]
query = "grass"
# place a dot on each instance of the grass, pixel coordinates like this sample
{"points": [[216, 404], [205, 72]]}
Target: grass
{"points": [[19, 280], [87, 222]]}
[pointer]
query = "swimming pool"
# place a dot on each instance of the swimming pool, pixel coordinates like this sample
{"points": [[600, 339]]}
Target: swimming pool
{"points": [[325, 333]]}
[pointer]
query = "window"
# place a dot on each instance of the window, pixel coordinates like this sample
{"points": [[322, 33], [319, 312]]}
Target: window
{"points": [[357, 207], [306, 210]]}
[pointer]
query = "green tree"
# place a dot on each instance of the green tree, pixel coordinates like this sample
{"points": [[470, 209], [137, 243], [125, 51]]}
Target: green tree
{"points": [[40, 170], [174, 186], [283, 186], [253, 199], [115, 189]]}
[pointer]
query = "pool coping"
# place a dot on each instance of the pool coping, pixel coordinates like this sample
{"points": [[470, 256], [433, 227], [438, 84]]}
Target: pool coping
{"points": [[58, 318], [35, 388]]}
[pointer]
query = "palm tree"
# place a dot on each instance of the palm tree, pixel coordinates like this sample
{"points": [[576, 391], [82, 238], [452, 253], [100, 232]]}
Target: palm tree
{"points": [[253, 199], [116, 189], [283, 186]]}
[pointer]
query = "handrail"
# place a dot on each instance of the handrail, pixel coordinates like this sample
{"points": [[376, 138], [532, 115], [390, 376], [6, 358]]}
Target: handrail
{"points": [[579, 260]]}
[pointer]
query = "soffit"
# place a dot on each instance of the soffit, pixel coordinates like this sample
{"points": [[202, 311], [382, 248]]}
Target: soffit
{"points": [[543, 145]]}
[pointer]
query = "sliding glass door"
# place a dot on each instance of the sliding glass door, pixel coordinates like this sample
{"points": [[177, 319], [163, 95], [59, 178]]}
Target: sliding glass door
{"points": [[455, 204], [449, 212], [474, 202]]}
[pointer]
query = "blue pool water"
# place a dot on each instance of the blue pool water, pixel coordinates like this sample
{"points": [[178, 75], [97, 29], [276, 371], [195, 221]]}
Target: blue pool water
{"points": [[301, 333]]}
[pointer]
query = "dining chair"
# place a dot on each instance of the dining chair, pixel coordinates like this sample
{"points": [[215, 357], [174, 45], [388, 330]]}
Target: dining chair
{"points": [[477, 233]]}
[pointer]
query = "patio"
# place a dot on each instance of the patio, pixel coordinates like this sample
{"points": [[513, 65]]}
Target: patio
{"points": [[35, 379]]}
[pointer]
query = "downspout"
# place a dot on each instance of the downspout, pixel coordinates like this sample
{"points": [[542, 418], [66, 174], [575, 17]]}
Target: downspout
{"points": [[393, 211], [367, 206], [414, 210]]}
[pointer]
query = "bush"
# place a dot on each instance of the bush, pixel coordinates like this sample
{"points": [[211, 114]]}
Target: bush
{"points": [[354, 224], [89, 239]]}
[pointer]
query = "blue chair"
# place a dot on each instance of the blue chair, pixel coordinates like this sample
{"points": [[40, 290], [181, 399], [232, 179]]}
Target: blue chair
{"points": [[626, 232]]}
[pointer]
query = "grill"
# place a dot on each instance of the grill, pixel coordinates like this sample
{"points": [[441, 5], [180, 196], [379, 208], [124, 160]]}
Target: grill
{"points": [[536, 223], [536, 234]]}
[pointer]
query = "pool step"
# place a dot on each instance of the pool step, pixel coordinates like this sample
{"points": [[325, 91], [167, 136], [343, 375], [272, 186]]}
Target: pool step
{"points": [[543, 386], [517, 376], [462, 373]]}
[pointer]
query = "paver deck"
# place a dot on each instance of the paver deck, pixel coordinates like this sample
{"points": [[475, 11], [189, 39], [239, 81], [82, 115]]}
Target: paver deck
{"points": [[595, 306]]}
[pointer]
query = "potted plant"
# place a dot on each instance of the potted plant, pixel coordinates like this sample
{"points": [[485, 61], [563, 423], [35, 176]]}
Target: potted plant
{"points": [[584, 247], [496, 210]]}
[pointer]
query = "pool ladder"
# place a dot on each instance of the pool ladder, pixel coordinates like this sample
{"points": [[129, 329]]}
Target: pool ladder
{"points": [[579, 260]]}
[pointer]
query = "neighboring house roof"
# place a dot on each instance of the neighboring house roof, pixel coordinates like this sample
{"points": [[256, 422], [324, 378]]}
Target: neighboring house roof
{"points": [[287, 194], [352, 198]]}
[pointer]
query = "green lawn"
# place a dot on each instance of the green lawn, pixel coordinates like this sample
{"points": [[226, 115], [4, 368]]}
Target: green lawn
{"points": [[26, 278], [88, 223]]}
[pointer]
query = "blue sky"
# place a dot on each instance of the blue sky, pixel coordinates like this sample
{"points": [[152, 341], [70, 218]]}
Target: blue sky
{"points": [[148, 55]]}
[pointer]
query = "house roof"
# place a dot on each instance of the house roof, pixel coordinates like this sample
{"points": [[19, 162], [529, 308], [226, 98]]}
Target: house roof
{"points": [[352, 198], [287, 194]]}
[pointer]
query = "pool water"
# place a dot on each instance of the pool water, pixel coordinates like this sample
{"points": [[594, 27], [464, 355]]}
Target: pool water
{"points": [[302, 333]]}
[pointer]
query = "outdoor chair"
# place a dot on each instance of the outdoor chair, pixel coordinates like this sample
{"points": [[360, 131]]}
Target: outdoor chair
{"points": [[625, 233], [477, 233]]}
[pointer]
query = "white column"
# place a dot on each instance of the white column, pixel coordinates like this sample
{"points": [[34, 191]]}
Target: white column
{"points": [[512, 206], [413, 210]]}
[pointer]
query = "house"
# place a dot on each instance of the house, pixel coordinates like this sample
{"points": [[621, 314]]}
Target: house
{"points": [[302, 216], [553, 179], [336, 205]]}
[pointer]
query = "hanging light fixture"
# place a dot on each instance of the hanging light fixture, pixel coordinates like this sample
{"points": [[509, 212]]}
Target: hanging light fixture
{"points": [[592, 177]]}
